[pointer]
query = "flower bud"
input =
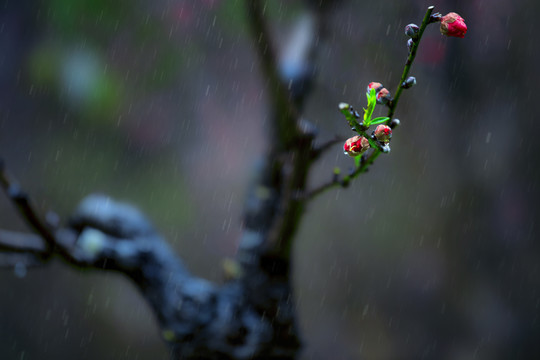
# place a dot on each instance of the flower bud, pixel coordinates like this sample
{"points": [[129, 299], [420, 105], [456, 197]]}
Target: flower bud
{"points": [[412, 30], [356, 145], [436, 17], [394, 123], [374, 85], [383, 133], [410, 44], [453, 25], [409, 83], [383, 96]]}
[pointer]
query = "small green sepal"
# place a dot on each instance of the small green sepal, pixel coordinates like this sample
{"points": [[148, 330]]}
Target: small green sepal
{"points": [[357, 160]]}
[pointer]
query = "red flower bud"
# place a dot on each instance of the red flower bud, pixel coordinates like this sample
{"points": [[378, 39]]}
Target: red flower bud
{"points": [[356, 145], [374, 85], [383, 96], [453, 25], [383, 133]]}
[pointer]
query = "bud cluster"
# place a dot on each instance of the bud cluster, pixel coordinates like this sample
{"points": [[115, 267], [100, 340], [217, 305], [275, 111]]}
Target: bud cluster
{"points": [[413, 32], [383, 95], [451, 24], [374, 85], [359, 144]]}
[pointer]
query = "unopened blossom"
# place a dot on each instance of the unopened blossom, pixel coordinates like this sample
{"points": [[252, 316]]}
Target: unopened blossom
{"points": [[356, 145], [409, 83], [383, 96], [410, 44], [374, 85], [412, 30], [453, 25], [383, 133]]}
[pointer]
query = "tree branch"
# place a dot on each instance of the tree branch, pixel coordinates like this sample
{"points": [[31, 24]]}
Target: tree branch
{"points": [[11, 241], [318, 150], [251, 316], [285, 113], [199, 319], [23, 204]]}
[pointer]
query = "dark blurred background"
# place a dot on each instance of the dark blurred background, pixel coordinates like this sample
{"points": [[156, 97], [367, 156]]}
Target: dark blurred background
{"points": [[433, 254]]}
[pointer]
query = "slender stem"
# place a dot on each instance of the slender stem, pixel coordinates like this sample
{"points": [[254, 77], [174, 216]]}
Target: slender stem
{"points": [[31, 215], [408, 64], [346, 179], [25, 207], [322, 148]]}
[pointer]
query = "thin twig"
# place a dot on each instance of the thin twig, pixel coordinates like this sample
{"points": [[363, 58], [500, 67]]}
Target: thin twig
{"points": [[322, 148], [410, 59], [345, 181], [23, 204], [30, 214], [21, 242]]}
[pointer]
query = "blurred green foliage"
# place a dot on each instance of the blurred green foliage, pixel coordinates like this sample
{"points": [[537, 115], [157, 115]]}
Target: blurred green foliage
{"points": [[96, 19]]}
